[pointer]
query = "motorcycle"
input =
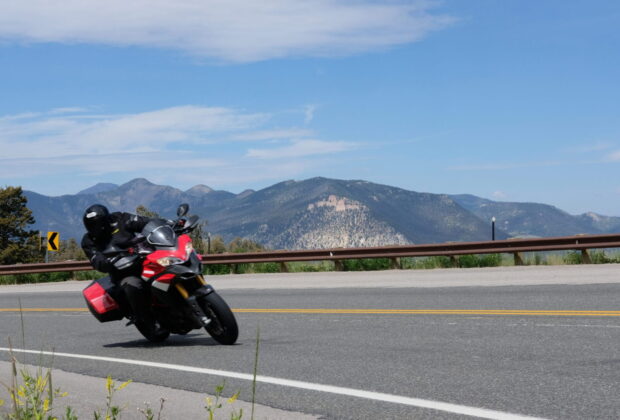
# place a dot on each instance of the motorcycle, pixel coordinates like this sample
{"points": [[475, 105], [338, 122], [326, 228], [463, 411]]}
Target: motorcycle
{"points": [[181, 298]]}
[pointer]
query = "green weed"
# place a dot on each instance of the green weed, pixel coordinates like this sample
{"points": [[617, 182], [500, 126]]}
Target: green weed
{"points": [[32, 395], [112, 412], [213, 404]]}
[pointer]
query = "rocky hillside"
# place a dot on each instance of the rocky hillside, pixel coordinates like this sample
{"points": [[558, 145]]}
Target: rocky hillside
{"points": [[320, 213], [324, 213]]}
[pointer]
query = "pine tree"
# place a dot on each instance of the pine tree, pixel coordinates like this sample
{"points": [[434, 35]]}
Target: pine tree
{"points": [[69, 250], [218, 246], [240, 245], [198, 237], [17, 244]]}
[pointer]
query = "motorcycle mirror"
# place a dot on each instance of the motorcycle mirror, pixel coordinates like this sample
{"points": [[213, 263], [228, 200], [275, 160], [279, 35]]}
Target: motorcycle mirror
{"points": [[192, 222], [183, 209]]}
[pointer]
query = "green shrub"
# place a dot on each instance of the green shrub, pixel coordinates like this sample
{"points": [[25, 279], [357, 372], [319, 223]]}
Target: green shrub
{"points": [[87, 275], [217, 269], [486, 260], [427, 263], [600, 257], [367, 264], [271, 267], [50, 277], [572, 257], [310, 266]]}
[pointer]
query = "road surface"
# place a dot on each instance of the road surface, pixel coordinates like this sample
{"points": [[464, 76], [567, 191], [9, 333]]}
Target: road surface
{"points": [[456, 343]]}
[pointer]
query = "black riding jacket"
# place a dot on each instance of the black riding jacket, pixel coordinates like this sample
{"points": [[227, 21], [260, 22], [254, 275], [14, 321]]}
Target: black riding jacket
{"points": [[123, 227]]}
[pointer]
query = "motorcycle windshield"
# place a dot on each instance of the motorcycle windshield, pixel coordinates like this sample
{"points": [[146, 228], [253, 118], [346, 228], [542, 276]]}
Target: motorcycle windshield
{"points": [[160, 235]]}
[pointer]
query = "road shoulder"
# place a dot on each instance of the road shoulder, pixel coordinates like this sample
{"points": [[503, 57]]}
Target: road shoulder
{"points": [[87, 394], [454, 277]]}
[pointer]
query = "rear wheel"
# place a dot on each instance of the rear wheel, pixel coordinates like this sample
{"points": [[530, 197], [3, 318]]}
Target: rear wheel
{"points": [[223, 327], [153, 336]]}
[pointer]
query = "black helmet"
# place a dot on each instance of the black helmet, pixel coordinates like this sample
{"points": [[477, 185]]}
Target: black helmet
{"points": [[96, 220]]}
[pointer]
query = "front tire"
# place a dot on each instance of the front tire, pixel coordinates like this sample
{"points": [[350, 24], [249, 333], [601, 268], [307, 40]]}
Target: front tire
{"points": [[223, 327]]}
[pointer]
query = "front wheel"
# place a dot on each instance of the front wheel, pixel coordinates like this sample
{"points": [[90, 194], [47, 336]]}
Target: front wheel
{"points": [[223, 326]]}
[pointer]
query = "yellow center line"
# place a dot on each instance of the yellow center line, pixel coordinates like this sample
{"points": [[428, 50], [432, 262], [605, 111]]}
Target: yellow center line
{"points": [[43, 310], [522, 312]]}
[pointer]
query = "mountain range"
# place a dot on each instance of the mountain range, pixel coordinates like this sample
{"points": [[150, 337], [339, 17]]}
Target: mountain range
{"points": [[323, 213]]}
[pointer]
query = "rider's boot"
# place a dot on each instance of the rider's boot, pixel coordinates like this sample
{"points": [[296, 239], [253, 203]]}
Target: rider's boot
{"points": [[145, 320]]}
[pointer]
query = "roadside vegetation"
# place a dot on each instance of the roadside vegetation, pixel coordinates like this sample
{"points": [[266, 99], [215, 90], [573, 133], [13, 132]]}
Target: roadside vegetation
{"points": [[33, 397], [417, 263], [422, 263], [18, 244]]}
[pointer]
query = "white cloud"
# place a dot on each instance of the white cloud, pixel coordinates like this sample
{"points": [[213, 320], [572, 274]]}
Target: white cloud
{"points": [[614, 156], [228, 30], [599, 146], [68, 110], [300, 148], [503, 166], [51, 135], [309, 113], [499, 195], [240, 174], [293, 133], [103, 165], [183, 142]]}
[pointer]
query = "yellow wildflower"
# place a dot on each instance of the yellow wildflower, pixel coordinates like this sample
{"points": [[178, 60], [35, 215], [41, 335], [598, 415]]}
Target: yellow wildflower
{"points": [[123, 385], [233, 398]]}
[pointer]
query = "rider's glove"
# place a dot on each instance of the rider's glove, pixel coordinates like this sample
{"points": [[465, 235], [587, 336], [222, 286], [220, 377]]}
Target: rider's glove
{"points": [[101, 263]]}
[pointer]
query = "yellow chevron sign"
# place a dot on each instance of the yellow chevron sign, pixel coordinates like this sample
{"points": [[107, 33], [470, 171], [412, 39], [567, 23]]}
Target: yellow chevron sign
{"points": [[53, 239]]}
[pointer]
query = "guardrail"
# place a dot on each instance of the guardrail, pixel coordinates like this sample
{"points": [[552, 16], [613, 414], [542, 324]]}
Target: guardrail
{"points": [[452, 249]]}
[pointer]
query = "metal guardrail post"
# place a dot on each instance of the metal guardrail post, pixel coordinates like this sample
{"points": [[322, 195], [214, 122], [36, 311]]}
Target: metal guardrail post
{"points": [[518, 259], [585, 257], [283, 267], [338, 265], [395, 263], [454, 260]]}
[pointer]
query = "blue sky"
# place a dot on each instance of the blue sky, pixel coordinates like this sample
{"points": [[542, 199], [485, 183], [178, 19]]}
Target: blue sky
{"points": [[507, 100]]}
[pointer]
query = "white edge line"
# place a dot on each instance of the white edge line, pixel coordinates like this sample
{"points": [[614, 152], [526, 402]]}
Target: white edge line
{"points": [[377, 396]]}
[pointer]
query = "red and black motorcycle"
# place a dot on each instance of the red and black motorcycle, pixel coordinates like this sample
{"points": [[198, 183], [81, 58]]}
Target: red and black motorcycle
{"points": [[181, 298]]}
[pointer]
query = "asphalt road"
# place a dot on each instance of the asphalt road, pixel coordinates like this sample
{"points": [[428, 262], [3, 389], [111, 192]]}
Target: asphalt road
{"points": [[494, 339]]}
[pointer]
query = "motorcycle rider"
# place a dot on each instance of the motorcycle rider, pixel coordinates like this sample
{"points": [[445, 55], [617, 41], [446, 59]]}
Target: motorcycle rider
{"points": [[119, 228]]}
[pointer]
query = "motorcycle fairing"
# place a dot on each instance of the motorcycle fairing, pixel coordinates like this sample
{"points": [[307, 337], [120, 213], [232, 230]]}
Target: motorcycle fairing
{"points": [[180, 250]]}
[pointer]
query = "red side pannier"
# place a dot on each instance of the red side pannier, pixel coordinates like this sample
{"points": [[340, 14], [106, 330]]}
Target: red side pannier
{"points": [[100, 301]]}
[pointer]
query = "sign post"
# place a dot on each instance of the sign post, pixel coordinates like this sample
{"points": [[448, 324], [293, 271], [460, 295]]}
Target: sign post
{"points": [[53, 244]]}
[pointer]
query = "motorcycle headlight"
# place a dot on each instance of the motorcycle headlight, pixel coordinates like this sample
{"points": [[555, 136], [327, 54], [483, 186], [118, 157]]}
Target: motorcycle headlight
{"points": [[166, 261]]}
